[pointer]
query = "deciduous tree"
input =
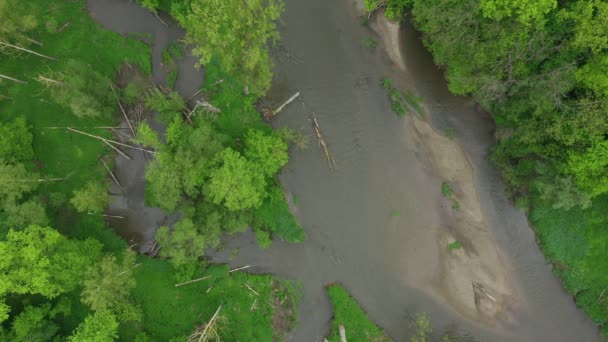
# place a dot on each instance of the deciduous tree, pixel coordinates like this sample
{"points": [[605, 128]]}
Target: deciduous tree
{"points": [[93, 198], [236, 182], [108, 285], [39, 260], [101, 326], [236, 34]]}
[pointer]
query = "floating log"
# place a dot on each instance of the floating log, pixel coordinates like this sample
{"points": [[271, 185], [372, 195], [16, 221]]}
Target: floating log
{"points": [[108, 140], [111, 173], [290, 100], [123, 111], [328, 155], [117, 150], [239, 268]]}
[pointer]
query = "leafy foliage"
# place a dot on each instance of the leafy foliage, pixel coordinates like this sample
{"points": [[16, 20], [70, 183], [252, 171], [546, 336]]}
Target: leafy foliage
{"points": [[33, 324], [182, 243], [525, 10], [15, 181], [93, 198], [16, 142], [152, 5], [268, 151], [101, 326], [168, 106], [108, 285], [18, 19], [146, 136], [84, 91], [236, 183], [236, 34], [41, 261]]}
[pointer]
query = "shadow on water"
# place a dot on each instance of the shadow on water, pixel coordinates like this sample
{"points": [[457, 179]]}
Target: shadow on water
{"points": [[384, 260]]}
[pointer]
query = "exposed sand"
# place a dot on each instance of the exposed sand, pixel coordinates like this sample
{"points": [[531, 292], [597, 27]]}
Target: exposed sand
{"points": [[475, 279]]}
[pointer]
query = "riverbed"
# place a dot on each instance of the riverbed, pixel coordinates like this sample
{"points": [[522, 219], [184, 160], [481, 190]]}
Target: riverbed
{"points": [[375, 223]]}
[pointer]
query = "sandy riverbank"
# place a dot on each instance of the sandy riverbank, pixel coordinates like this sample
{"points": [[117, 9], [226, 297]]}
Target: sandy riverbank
{"points": [[474, 279]]}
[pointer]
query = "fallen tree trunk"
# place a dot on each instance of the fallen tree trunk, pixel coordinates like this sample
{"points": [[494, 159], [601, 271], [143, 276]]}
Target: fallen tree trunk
{"points": [[342, 333], [111, 173], [108, 141], [328, 155], [192, 281], [28, 51], [290, 100], [12, 79]]}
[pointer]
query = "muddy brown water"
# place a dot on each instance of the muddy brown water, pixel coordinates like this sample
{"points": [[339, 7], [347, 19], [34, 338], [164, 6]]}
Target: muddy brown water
{"points": [[386, 261]]}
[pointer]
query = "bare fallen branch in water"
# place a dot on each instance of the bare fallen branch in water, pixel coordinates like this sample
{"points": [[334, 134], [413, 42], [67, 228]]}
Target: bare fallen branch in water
{"points": [[290, 100], [110, 216], [122, 110], [111, 173], [161, 20], [118, 150], [108, 141], [479, 289], [192, 281], [328, 155], [206, 106], [239, 268]]}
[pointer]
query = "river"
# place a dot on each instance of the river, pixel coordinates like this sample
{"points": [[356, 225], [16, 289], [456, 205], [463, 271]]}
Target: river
{"points": [[388, 262]]}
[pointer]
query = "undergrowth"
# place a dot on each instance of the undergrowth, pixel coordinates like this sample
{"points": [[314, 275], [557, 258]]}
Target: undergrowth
{"points": [[347, 312]]}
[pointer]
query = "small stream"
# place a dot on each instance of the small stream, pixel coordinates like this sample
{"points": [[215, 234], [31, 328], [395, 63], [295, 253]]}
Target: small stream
{"points": [[384, 260]]}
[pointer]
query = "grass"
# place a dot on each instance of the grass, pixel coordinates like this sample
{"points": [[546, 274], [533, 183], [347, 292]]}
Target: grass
{"points": [[454, 245], [348, 313], [170, 312], [575, 241], [60, 153], [369, 42], [275, 217], [170, 56], [395, 213], [446, 190], [402, 102], [450, 132]]}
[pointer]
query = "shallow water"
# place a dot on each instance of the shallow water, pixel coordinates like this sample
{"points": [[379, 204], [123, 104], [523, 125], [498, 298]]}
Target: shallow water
{"points": [[385, 260]]}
